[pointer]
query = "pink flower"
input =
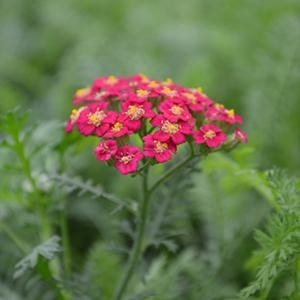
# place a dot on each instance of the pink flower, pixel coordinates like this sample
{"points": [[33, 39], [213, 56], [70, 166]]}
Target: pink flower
{"points": [[99, 91], [150, 89], [127, 158], [161, 151], [92, 96], [118, 127], [105, 150], [134, 112], [93, 119], [104, 95], [103, 88], [73, 118], [215, 112], [174, 110], [110, 83], [231, 118], [175, 131], [82, 95], [138, 79], [240, 135], [218, 112], [153, 86], [139, 95], [195, 100], [168, 92], [209, 134]]}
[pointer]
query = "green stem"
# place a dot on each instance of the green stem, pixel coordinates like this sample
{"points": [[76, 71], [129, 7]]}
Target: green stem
{"points": [[168, 174], [25, 162], [143, 211], [37, 197], [15, 238], [66, 243], [46, 231], [138, 241]]}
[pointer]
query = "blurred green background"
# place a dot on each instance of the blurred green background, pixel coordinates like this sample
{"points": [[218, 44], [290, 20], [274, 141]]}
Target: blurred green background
{"points": [[245, 54]]}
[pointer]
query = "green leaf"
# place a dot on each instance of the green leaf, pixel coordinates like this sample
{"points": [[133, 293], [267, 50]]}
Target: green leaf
{"points": [[36, 259], [13, 121], [87, 187]]}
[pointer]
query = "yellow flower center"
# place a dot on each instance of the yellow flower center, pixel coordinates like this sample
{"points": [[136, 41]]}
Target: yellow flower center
{"points": [[210, 134], [168, 81], [111, 80], [153, 85], [145, 79], [176, 110], [169, 127], [135, 112], [74, 114], [126, 159], [191, 97], [96, 117], [117, 127], [82, 92], [230, 113], [142, 93], [169, 92], [160, 147], [200, 89], [219, 106]]}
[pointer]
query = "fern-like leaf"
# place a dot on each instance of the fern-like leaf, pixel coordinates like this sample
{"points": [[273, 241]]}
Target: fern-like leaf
{"points": [[72, 184], [280, 245], [47, 251]]}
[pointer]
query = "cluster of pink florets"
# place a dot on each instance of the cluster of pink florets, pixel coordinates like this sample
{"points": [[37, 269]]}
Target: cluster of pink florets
{"points": [[161, 114]]}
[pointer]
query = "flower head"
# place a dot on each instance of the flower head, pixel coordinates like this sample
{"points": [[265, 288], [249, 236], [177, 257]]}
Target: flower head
{"points": [[135, 112], [195, 100], [106, 149], [127, 158], [159, 115], [240, 135], [82, 95], [73, 118], [218, 112], [176, 131], [118, 127], [209, 134], [161, 151], [94, 119], [174, 110]]}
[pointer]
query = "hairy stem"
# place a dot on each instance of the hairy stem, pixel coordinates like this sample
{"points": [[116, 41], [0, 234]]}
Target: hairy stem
{"points": [[138, 241]]}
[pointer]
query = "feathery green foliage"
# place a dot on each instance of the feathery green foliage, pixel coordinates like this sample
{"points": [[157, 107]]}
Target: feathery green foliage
{"points": [[279, 245], [46, 251]]}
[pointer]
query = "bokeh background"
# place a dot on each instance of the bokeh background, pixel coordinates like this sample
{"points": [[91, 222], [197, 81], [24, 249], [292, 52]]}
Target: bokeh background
{"points": [[244, 53]]}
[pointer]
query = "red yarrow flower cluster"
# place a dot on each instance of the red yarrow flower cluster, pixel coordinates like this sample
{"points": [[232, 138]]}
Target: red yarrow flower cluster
{"points": [[162, 114]]}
